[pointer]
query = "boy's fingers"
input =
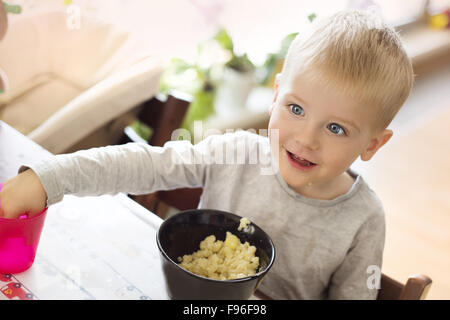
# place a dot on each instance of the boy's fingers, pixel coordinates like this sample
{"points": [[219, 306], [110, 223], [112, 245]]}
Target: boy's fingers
{"points": [[9, 213], [32, 214]]}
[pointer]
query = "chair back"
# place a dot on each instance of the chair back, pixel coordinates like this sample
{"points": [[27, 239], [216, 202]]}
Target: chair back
{"points": [[164, 116], [416, 288]]}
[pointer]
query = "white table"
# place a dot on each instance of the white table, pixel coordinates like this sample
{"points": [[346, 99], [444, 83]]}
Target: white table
{"points": [[96, 248], [90, 248]]}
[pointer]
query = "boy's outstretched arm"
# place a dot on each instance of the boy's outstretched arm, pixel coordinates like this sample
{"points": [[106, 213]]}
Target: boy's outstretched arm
{"points": [[22, 193], [133, 168]]}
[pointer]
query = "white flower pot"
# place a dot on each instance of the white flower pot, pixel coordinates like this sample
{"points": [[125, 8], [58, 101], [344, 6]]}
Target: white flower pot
{"points": [[232, 93]]}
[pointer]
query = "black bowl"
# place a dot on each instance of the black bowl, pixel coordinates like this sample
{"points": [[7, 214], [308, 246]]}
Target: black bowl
{"points": [[182, 233]]}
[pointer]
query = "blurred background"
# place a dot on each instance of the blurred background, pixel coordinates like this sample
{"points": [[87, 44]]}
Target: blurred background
{"points": [[78, 73]]}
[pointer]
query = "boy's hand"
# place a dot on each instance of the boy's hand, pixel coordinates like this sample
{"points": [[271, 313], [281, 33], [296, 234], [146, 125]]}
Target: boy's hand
{"points": [[22, 194]]}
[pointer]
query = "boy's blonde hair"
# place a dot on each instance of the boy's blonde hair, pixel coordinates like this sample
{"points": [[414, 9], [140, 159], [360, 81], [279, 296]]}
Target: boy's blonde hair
{"points": [[357, 53]]}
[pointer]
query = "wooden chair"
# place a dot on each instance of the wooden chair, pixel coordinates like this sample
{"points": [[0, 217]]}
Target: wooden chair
{"points": [[164, 116], [416, 288]]}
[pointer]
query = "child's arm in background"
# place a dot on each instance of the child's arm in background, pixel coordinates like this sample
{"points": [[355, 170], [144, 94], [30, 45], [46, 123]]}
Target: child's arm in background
{"points": [[132, 168]]}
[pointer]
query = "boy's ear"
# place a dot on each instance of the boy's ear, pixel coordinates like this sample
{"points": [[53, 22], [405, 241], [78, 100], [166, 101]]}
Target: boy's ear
{"points": [[275, 96], [376, 143]]}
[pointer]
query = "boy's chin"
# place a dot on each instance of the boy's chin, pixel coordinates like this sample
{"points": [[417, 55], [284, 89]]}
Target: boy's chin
{"points": [[294, 183]]}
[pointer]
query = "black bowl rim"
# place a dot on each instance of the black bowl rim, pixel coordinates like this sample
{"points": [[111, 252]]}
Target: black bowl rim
{"points": [[248, 278]]}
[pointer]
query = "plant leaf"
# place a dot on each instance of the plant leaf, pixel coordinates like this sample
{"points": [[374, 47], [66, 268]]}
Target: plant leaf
{"points": [[224, 39]]}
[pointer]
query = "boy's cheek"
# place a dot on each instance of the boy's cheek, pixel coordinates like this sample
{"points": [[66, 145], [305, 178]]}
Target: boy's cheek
{"points": [[279, 129]]}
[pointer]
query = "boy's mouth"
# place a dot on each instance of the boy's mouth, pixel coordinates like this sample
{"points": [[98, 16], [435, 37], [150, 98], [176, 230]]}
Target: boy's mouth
{"points": [[299, 162]]}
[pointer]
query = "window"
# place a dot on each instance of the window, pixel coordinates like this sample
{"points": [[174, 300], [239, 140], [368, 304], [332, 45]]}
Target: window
{"points": [[258, 26]]}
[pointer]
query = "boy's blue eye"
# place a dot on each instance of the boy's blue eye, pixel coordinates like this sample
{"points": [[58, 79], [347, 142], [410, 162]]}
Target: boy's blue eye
{"points": [[296, 109], [336, 129]]}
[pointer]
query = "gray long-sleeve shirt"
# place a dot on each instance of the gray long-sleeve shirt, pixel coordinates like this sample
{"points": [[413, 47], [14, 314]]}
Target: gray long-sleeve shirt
{"points": [[324, 248]]}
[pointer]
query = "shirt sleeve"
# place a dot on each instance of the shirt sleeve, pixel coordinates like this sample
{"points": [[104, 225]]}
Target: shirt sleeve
{"points": [[359, 276], [135, 168]]}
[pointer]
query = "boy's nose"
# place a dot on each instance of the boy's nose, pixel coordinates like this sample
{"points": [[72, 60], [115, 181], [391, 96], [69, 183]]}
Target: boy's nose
{"points": [[307, 138]]}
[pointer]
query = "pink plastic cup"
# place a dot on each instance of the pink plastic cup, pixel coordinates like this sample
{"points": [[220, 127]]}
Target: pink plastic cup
{"points": [[19, 239]]}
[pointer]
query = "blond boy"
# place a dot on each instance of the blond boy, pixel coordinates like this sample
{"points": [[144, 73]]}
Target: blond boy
{"points": [[340, 87]]}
